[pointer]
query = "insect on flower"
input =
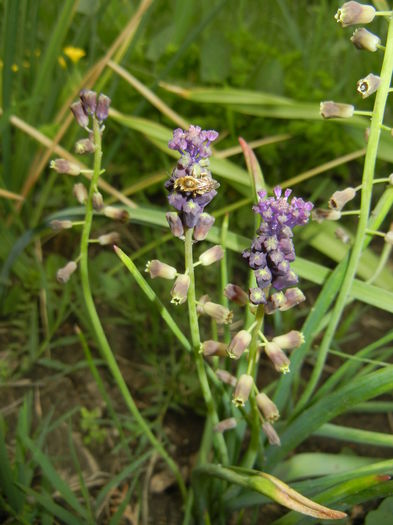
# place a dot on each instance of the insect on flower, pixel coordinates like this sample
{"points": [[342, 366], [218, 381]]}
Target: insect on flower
{"points": [[195, 185]]}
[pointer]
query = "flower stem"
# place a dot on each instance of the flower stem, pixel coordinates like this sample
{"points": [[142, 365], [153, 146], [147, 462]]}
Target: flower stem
{"points": [[196, 343], [96, 323]]}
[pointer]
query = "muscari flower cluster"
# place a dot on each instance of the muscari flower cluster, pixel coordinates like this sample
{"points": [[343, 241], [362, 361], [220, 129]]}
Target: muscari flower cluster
{"points": [[272, 250], [191, 186]]}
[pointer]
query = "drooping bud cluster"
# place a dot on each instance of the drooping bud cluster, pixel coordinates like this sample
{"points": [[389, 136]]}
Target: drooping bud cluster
{"points": [[272, 250], [87, 105], [191, 186]]}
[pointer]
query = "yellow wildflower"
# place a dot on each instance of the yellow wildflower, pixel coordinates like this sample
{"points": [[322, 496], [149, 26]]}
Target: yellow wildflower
{"points": [[74, 53]]}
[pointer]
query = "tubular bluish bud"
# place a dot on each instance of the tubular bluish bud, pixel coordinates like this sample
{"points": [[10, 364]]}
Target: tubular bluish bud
{"points": [[236, 294], [226, 377], [267, 407], [65, 166], [103, 104], [80, 192], [242, 390], [239, 344], [97, 201], [63, 274], [175, 223], [363, 39], [212, 255], [157, 268], [293, 297], [330, 109], [211, 348], [368, 85], [277, 357], [202, 227], [89, 101], [257, 296], [84, 146], [352, 13], [79, 114], [180, 289], [109, 238], [225, 424], [276, 302], [321, 215], [117, 214], [339, 198], [290, 340], [57, 225], [271, 434], [218, 312]]}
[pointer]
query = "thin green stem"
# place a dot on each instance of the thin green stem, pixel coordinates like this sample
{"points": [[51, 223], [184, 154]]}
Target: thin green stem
{"points": [[96, 323], [196, 343], [366, 194]]}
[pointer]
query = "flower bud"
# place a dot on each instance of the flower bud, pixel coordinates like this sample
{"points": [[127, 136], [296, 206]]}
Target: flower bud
{"points": [[97, 201], [180, 289], [79, 114], [64, 166], [236, 294], [175, 223], [276, 302], [211, 348], [342, 235], [257, 296], [89, 101], [352, 13], [57, 225], [218, 312], [80, 192], [84, 146], [363, 39], [63, 274], [239, 344], [277, 357], [225, 424], [339, 198], [212, 255], [368, 85], [320, 215], [202, 227], [330, 109], [157, 268], [102, 107], [271, 434], [289, 341], [242, 390], [117, 214], [293, 297], [109, 238], [226, 377], [267, 407]]}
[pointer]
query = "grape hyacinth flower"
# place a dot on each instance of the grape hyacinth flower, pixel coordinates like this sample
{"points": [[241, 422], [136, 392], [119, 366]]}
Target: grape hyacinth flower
{"points": [[191, 186], [272, 250]]}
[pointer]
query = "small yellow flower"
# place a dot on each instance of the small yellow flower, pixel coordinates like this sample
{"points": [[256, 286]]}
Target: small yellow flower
{"points": [[15, 68], [62, 62], [74, 53]]}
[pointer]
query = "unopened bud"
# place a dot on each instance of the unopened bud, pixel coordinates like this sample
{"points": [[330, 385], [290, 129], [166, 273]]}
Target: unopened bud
{"points": [[80, 192], [289, 341], [157, 268], [175, 223], [330, 109], [79, 114], [225, 424], [352, 13], [368, 85], [63, 274], [277, 357], [57, 225], [267, 407], [65, 166], [257, 296], [202, 227], [97, 201], [239, 344], [218, 312], [342, 235], [117, 214], [363, 39], [84, 146], [271, 434], [293, 297], [109, 238], [242, 390], [89, 101], [339, 198], [102, 107], [320, 215], [276, 302], [180, 289], [213, 348], [226, 377], [236, 294], [212, 255]]}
